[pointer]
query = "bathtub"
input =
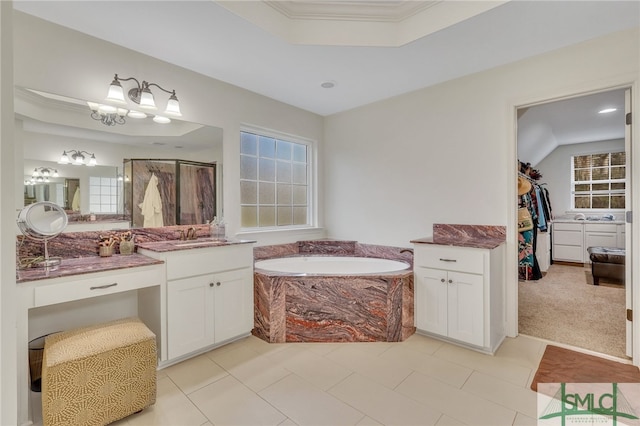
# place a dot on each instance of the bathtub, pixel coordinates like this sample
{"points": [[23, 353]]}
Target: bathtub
{"points": [[333, 299], [331, 265]]}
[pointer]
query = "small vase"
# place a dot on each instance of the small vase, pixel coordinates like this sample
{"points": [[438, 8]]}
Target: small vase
{"points": [[106, 251], [126, 247]]}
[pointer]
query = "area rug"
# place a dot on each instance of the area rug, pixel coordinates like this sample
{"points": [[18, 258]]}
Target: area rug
{"points": [[560, 365], [566, 307]]}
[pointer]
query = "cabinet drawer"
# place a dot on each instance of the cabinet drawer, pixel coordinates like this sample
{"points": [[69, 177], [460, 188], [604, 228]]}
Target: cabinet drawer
{"points": [[201, 261], [568, 253], [97, 285], [450, 258], [569, 238], [562, 226], [601, 227]]}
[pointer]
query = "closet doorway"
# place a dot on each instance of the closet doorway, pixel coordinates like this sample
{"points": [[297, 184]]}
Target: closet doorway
{"points": [[575, 167]]}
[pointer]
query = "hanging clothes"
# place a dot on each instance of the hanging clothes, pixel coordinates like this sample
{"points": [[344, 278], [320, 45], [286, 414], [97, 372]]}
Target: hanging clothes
{"points": [[528, 268], [151, 205]]}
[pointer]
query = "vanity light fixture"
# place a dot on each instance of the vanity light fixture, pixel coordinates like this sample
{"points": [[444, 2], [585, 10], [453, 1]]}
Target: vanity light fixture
{"points": [[77, 157], [44, 172], [107, 114], [141, 95]]}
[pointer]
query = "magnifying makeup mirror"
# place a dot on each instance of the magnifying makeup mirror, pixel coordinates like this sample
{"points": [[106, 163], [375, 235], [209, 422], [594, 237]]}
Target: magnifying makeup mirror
{"points": [[43, 221]]}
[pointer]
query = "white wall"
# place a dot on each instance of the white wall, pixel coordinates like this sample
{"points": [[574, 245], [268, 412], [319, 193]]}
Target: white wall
{"points": [[556, 169], [57, 60], [8, 375], [445, 154]]}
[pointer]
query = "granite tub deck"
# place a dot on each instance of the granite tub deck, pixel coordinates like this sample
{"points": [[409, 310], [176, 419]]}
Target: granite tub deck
{"points": [[333, 308]]}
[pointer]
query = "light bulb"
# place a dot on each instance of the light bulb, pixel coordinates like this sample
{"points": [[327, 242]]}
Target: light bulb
{"points": [[146, 99], [173, 106], [115, 93]]}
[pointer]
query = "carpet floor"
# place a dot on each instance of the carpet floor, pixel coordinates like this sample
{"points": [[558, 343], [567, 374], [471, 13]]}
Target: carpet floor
{"points": [[565, 307], [560, 365]]}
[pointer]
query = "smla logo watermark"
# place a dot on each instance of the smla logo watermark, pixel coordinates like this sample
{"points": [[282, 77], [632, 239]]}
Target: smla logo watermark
{"points": [[601, 404]]}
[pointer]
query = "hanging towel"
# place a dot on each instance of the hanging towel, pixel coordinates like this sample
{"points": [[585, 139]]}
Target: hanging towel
{"points": [[151, 205], [75, 203]]}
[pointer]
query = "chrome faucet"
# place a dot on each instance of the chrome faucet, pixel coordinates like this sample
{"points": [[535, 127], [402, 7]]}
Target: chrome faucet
{"points": [[191, 234], [406, 250]]}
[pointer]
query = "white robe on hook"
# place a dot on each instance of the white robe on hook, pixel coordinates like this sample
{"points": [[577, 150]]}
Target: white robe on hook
{"points": [[151, 205]]}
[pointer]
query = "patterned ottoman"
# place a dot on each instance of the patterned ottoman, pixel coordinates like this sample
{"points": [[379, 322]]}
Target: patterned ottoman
{"points": [[99, 374]]}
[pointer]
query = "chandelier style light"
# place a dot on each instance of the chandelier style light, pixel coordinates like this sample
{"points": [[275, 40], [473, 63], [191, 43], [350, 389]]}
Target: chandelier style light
{"points": [[78, 158], [107, 114], [142, 96]]}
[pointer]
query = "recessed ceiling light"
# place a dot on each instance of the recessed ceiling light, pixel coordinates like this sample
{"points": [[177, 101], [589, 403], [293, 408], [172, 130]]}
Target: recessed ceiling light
{"points": [[328, 84], [607, 110]]}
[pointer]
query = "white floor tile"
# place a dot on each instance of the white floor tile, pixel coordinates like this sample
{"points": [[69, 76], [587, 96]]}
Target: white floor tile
{"points": [[454, 402], [492, 365], [522, 420], [318, 370], [438, 368], [229, 402], [503, 393], [387, 373], [422, 343], [250, 367], [305, 404], [172, 407], [449, 421], [195, 373], [383, 404], [521, 350]]}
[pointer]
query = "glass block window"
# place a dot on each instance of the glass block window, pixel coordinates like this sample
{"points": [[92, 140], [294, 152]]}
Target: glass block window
{"points": [[103, 194], [274, 182], [598, 181]]}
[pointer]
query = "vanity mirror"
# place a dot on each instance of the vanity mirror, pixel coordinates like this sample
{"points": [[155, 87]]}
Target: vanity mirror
{"points": [[42, 221], [48, 124]]}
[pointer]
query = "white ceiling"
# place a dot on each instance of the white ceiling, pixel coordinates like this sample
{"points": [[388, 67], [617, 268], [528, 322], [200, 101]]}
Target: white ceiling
{"points": [[542, 128], [256, 53]]}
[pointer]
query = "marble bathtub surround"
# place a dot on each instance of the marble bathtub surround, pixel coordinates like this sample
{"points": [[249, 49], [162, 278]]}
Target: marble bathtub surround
{"points": [[478, 236], [333, 248], [364, 308], [84, 244]]}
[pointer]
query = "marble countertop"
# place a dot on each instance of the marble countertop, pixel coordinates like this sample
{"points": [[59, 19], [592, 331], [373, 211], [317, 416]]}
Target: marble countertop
{"points": [[483, 243], [618, 222], [174, 245], [85, 265]]}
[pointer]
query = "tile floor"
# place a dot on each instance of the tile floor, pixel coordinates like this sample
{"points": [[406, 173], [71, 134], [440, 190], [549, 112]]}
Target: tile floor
{"points": [[421, 381]]}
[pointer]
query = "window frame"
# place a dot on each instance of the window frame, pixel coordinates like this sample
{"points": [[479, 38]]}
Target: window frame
{"points": [[591, 193], [311, 177]]}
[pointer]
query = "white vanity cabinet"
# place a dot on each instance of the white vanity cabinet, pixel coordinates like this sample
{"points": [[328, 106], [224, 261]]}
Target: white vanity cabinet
{"points": [[208, 309], [568, 242], [209, 297], [459, 294], [572, 239]]}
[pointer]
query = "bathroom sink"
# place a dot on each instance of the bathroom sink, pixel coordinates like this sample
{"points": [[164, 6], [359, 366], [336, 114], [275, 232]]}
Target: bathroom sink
{"points": [[199, 243]]}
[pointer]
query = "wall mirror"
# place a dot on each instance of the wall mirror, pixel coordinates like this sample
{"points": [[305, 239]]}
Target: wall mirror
{"points": [[48, 124]]}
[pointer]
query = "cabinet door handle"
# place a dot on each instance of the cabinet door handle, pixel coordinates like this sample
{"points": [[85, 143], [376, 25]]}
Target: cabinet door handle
{"points": [[210, 284], [450, 281], [100, 287], [448, 260], [441, 280], [218, 283]]}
